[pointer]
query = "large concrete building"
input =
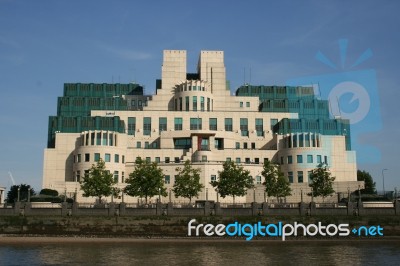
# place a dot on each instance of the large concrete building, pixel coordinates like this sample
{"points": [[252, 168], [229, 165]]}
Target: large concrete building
{"points": [[193, 116]]}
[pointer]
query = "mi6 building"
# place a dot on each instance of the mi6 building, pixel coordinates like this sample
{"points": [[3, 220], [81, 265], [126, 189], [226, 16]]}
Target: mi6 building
{"points": [[193, 116]]}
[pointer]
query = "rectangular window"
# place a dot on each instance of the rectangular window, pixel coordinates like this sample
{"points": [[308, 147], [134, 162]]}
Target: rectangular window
{"points": [[104, 139], [131, 125], [213, 178], [204, 158], [146, 125], [244, 127], [178, 123], [87, 157], [98, 138], [245, 145], [148, 159], [237, 145], [195, 124], [309, 176], [162, 124], [116, 158], [202, 103], [92, 138], [180, 103], [228, 159], [258, 180], [166, 159], [138, 144], [187, 101], [157, 159], [253, 145], [238, 160], [309, 158], [107, 158], [300, 176], [290, 176], [273, 122], [140, 103], [247, 104], [247, 160], [123, 158], [133, 103], [301, 140], [289, 159], [259, 127], [116, 176], [97, 157], [110, 139], [228, 124], [146, 145], [78, 176], [319, 159], [208, 104], [213, 123], [167, 179], [194, 103], [282, 160], [241, 104], [326, 160], [256, 160], [123, 177], [299, 158], [79, 159], [307, 138]]}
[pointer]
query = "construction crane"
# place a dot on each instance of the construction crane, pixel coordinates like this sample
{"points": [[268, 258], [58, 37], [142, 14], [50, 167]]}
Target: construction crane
{"points": [[12, 178]]}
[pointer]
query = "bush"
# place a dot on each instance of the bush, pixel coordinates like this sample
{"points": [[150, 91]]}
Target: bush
{"points": [[49, 192]]}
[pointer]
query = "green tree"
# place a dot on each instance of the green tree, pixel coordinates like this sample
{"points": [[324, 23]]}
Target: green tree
{"points": [[187, 182], [275, 182], [49, 192], [146, 180], [12, 194], [233, 181], [98, 182], [321, 182], [369, 184]]}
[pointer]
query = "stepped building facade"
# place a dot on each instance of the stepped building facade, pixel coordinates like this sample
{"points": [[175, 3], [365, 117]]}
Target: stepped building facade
{"points": [[193, 116]]}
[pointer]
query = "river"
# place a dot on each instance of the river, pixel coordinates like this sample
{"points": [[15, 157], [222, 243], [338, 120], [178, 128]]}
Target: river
{"points": [[194, 252]]}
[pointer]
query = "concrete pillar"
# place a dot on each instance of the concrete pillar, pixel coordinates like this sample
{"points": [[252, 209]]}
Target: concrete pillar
{"points": [[207, 208], [75, 208], [302, 209], [254, 208], [111, 209], [159, 208], [122, 208], [350, 208], [170, 208], [397, 207], [64, 209], [17, 207], [218, 208], [313, 209], [360, 207], [265, 208], [27, 208]]}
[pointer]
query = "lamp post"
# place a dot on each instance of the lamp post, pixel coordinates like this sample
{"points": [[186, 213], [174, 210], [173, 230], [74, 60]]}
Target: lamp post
{"points": [[159, 194], [170, 195], [254, 194], [19, 190], [301, 194], [383, 181], [206, 194]]}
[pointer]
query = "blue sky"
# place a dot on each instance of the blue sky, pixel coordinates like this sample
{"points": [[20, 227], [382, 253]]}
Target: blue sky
{"points": [[44, 44]]}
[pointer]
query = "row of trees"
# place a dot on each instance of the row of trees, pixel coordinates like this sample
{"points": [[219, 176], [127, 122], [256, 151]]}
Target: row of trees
{"points": [[147, 180]]}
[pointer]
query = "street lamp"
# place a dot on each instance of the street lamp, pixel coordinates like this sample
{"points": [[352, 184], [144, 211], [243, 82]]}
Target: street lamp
{"points": [[383, 181], [19, 189]]}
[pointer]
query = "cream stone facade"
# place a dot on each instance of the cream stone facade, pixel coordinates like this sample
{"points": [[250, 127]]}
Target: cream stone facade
{"points": [[192, 116]]}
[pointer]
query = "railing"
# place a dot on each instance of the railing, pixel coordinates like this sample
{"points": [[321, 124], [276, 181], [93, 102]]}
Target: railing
{"points": [[283, 205], [46, 205]]}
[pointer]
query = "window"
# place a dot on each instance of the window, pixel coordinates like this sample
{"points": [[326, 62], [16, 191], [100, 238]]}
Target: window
{"points": [[138, 144], [116, 158], [104, 139], [133, 103], [290, 176], [228, 124], [213, 123], [195, 124], [146, 145], [116, 176], [326, 160], [97, 157], [253, 145], [244, 127], [148, 159], [294, 141], [79, 159], [289, 159], [87, 157], [180, 103], [256, 160], [299, 158], [182, 143], [319, 159], [241, 104], [258, 180], [202, 103], [309, 158], [247, 104], [166, 159], [162, 124], [167, 179], [238, 160], [307, 138], [208, 104], [140, 103], [178, 123], [237, 145], [228, 159], [300, 176], [194, 103], [247, 160], [123, 158], [78, 176], [213, 178], [267, 160], [146, 125], [309, 176], [92, 138], [98, 138], [157, 159], [123, 177], [187, 102], [273, 122], [107, 158], [245, 145], [204, 158], [259, 127], [281, 160], [301, 140]]}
